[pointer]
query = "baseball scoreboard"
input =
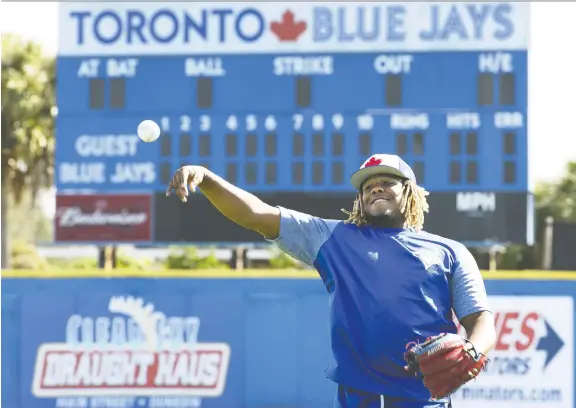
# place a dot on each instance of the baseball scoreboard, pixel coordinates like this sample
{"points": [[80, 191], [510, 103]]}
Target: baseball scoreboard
{"points": [[286, 101]]}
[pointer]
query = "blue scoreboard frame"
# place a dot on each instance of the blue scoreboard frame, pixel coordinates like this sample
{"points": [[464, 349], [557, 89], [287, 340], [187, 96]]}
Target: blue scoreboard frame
{"points": [[287, 100]]}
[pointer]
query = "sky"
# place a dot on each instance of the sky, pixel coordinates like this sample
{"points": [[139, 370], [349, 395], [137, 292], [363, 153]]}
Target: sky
{"points": [[552, 78]]}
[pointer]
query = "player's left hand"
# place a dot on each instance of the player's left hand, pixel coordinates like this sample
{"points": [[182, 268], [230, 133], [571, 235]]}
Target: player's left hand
{"points": [[446, 362]]}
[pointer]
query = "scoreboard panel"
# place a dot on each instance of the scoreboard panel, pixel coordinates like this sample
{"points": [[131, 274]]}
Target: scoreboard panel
{"points": [[446, 113], [293, 99], [339, 82]]}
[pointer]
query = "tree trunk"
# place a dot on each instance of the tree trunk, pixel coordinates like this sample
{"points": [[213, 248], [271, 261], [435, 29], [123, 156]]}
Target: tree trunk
{"points": [[5, 260]]}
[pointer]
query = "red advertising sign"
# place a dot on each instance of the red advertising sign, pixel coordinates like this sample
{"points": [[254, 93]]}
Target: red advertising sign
{"points": [[103, 218]]}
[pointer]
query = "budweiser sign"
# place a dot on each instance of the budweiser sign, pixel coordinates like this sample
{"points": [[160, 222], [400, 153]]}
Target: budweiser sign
{"points": [[71, 216], [103, 218]]}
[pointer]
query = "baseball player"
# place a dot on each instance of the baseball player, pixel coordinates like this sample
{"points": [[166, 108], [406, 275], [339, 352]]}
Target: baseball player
{"points": [[393, 288]]}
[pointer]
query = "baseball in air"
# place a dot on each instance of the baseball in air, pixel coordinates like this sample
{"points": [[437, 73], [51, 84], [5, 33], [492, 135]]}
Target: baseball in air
{"points": [[148, 131]]}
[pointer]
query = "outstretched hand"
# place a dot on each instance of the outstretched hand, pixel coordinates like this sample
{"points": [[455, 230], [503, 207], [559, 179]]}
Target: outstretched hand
{"points": [[185, 177]]}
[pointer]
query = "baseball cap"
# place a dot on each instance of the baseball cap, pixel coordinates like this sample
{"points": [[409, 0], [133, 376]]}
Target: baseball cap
{"points": [[383, 164]]}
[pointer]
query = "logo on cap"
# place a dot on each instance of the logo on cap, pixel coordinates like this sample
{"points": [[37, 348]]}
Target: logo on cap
{"points": [[372, 161]]}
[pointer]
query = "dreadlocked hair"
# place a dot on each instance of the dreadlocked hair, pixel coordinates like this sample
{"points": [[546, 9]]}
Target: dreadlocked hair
{"points": [[413, 205]]}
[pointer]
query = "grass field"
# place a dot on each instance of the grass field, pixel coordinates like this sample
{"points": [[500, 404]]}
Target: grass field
{"points": [[247, 274]]}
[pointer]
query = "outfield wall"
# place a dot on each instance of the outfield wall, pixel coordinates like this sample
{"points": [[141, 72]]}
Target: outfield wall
{"points": [[239, 340]]}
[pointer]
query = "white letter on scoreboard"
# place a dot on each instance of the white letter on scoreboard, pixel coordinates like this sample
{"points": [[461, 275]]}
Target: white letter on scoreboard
{"points": [[298, 120], [508, 120], [270, 123], [495, 62], [185, 123], [232, 122], [393, 64], [251, 123], [317, 122], [476, 201], [365, 122], [337, 121], [165, 124], [121, 67], [205, 123], [89, 68]]}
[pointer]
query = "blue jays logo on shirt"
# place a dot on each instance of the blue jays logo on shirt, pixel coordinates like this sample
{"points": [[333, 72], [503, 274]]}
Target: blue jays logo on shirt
{"points": [[373, 256]]}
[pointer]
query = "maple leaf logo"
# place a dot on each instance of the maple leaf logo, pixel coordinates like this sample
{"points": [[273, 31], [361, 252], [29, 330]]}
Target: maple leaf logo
{"points": [[288, 29], [373, 162]]}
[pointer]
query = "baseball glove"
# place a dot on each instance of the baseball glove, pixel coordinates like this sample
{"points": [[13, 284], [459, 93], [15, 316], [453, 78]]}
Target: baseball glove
{"points": [[446, 362]]}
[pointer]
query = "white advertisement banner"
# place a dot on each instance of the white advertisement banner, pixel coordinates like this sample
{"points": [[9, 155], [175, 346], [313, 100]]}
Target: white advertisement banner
{"points": [[156, 28], [532, 364]]}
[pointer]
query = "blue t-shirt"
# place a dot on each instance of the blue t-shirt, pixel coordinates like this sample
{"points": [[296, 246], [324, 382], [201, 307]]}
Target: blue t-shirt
{"points": [[386, 287]]}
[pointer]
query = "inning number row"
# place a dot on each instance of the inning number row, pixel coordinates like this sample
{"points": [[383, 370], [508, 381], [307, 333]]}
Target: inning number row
{"points": [[233, 122]]}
